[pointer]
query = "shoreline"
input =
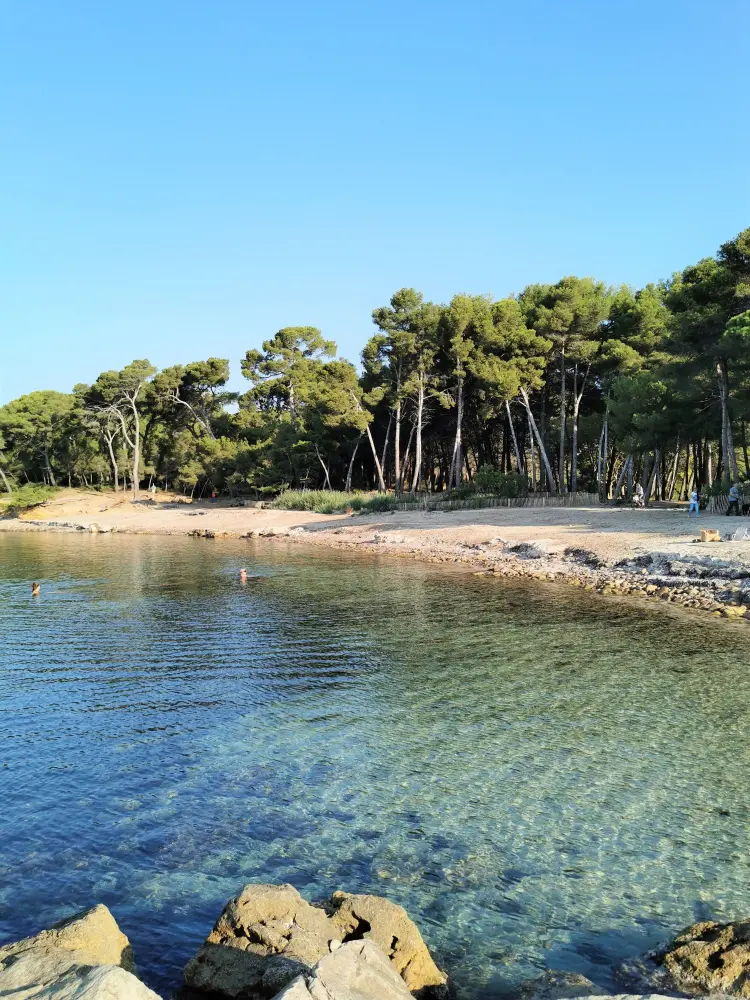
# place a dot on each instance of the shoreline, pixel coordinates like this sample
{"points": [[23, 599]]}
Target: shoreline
{"points": [[646, 554]]}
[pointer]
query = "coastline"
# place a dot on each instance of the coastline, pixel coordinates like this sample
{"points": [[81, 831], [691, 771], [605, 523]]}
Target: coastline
{"points": [[648, 554]]}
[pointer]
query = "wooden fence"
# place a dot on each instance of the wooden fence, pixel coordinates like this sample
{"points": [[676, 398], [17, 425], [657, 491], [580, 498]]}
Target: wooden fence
{"points": [[534, 500]]}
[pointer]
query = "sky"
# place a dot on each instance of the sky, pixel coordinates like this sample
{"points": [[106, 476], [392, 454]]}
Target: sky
{"points": [[181, 178]]}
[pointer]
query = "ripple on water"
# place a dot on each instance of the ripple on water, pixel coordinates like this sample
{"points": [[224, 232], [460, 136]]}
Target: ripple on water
{"points": [[543, 778]]}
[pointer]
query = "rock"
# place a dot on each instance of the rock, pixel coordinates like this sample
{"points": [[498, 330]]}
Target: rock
{"points": [[93, 935], [710, 957], [85, 957], [707, 957], [43, 975], [389, 926], [557, 985], [356, 971], [270, 930], [734, 611]]}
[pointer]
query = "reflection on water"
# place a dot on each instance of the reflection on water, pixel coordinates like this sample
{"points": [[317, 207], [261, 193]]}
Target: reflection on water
{"points": [[541, 777]]}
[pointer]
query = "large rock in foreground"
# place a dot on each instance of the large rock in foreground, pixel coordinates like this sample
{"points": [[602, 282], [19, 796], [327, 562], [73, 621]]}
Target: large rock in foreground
{"points": [[268, 934], [85, 957], [355, 971], [707, 957], [93, 935]]}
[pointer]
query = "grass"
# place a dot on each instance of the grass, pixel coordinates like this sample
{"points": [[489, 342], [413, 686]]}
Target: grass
{"points": [[338, 502]]}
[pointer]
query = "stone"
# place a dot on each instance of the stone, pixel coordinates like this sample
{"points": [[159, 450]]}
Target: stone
{"points": [[389, 926], [707, 957], [356, 971], [93, 935], [554, 985], [84, 957], [270, 930], [49, 974], [710, 957]]}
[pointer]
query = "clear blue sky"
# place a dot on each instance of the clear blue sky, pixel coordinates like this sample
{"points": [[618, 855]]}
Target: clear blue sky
{"points": [[180, 178]]}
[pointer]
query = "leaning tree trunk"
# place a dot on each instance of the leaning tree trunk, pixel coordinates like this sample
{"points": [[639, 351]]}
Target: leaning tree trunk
{"points": [[327, 481], [538, 436], [5, 480], [623, 472]]}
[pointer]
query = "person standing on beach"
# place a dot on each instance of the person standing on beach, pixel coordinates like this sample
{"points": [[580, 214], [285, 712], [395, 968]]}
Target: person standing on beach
{"points": [[693, 503], [734, 500], [213, 496]]}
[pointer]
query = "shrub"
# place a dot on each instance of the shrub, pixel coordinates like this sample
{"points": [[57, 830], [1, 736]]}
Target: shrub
{"points": [[489, 479], [320, 501], [28, 496]]}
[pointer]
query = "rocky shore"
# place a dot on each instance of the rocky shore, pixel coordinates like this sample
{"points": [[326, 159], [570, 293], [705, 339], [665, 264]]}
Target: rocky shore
{"points": [[269, 943]]}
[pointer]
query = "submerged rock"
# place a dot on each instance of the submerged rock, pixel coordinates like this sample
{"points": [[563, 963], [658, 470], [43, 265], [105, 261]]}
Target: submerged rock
{"points": [[268, 934], [554, 985], [355, 971]]}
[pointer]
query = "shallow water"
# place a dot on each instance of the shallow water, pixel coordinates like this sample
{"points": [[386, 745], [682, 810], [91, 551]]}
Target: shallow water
{"points": [[543, 778]]}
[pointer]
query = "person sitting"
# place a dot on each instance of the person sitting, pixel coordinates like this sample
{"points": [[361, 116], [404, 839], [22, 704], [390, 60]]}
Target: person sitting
{"points": [[734, 500], [638, 499]]}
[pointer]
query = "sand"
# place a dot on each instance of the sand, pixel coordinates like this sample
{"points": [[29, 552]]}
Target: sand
{"points": [[610, 533]]}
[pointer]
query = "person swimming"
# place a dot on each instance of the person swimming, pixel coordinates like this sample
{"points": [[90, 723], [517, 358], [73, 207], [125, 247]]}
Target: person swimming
{"points": [[36, 589], [243, 575]]}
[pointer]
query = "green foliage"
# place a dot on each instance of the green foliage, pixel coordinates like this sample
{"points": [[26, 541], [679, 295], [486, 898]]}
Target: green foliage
{"points": [[489, 479], [26, 497]]}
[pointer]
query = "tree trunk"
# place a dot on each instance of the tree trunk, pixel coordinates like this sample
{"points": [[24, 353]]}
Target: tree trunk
{"points": [[535, 431], [5, 480], [533, 458], [48, 467], [327, 481], [744, 452], [519, 466], [457, 456], [385, 445], [653, 477], [397, 449], [726, 420], [113, 460], [626, 466], [563, 414], [417, 477], [673, 473], [348, 483]]}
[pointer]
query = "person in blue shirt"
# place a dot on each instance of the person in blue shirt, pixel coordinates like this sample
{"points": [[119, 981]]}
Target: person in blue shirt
{"points": [[734, 500], [693, 503]]}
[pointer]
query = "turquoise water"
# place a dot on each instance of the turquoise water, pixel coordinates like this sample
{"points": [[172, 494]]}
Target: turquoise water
{"points": [[543, 778]]}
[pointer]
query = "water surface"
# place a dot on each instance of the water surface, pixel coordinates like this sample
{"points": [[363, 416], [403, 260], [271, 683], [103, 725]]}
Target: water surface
{"points": [[543, 778]]}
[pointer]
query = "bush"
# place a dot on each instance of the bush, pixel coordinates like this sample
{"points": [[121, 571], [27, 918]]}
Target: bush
{"points": [[489, 479], [320, 501], [28, 496]]}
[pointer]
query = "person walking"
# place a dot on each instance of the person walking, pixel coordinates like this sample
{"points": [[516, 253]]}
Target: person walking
{"points": [[734, 500], [693, 503]]}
